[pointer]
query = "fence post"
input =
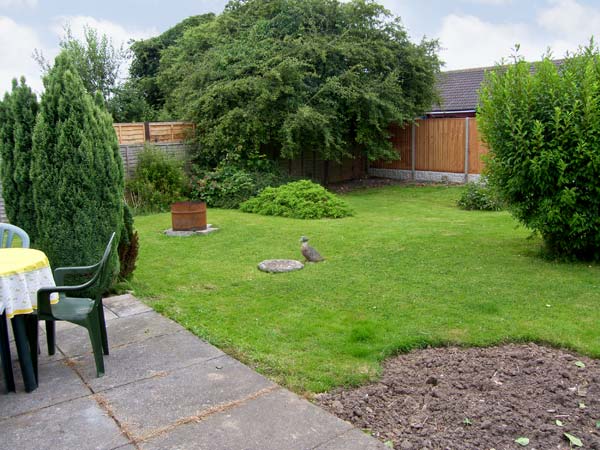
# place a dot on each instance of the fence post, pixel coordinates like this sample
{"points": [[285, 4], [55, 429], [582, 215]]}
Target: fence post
{"points": [[466, 149], [413, 151]]}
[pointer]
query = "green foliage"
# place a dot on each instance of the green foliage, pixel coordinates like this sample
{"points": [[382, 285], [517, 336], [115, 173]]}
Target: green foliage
{"points": [[128, 246], [273, 77], [301, 200], [479, 196], [229, 185], [142, 93], [17, 119], [543, 130], [76, 173], [95, 59], [158, 181]]}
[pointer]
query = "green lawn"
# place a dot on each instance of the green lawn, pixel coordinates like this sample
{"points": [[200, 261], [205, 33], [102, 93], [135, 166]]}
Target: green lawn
{"points": [[409, 269]]}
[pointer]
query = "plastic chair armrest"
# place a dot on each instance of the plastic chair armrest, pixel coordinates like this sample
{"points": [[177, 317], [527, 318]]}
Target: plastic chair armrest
{"points": [[60, 272]]}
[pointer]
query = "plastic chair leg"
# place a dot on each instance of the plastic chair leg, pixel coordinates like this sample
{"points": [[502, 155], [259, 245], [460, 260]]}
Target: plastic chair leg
{"points": [[103, 333], [9, 378], [24, 352], [51, 337], [93, 326]]}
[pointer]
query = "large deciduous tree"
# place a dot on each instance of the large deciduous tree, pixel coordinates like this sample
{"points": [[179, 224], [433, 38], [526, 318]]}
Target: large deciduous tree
{"points": [[77, 173], [17, 118], [278, 77], [543, 132]]}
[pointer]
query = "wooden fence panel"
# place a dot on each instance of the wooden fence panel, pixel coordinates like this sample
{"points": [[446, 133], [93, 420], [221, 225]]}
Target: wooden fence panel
{"points": [[476, 148], [440, 145], [401, 140], [170, 131], [130, 133]]}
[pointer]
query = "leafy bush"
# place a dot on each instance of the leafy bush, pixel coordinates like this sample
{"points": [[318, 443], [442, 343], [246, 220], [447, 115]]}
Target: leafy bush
{"points": [[129, 246], [301, 199], [543, 131], [479, 196], [158, 181], [228, 186]]}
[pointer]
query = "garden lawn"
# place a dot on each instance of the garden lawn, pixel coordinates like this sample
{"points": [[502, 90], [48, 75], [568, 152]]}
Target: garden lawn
{"points": [[410, 269]]}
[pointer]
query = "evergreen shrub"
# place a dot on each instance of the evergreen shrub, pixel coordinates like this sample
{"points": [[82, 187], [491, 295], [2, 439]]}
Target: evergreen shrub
{"points": [[128, 246], [300, 199], [18, 111], [76, 174]]}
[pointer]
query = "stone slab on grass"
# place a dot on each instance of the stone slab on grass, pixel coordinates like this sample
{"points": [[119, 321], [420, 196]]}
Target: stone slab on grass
{"points": [[127, 330], [275, 421], [279, 265], [209, 229], [58, 383], [149, 358], [79, 424], [353, 440], [125, 305], [148, 406]]}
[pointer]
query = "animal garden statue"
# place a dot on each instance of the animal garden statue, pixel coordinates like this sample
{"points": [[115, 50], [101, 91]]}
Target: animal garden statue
{"points": [[308, 252]]}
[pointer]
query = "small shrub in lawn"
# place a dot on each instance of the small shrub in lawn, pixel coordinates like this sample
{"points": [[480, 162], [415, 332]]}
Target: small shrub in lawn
{"points": [[301, 200], [158, 181], [479, 196], [129, 246], [228, 186]]}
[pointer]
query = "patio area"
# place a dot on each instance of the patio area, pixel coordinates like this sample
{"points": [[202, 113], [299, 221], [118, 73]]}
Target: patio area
{"points": [[163, 388]]}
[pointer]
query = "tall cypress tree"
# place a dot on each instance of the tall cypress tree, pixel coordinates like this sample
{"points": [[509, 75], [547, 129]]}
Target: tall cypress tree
{"points": [[77, 173], [17, 120]]}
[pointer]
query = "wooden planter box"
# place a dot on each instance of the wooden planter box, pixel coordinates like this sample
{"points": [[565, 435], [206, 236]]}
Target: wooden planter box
{"points": [[188, 216]]}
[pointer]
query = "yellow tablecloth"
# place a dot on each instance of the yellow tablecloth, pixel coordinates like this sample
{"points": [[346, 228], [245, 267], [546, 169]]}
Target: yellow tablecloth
{"points": [[22, 272]]}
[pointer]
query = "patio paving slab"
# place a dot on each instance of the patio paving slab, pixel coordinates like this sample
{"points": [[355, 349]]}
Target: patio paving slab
{"points": [[352, 440], [60, 383], [79, 424], [192, 391], [125, 305], [145, 359], [275, 421], [76, 342]]}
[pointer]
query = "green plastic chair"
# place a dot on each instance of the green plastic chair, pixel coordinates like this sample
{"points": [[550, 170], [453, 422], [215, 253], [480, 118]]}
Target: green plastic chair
{"points": [[85, 312], [7, 235]]}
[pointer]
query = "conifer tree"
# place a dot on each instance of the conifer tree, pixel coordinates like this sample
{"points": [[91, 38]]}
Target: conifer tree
{"points": [[77, 173], [17, 119]]}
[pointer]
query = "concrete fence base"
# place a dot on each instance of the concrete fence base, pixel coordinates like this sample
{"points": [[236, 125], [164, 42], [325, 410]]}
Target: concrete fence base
{"points": [[423, 175]]}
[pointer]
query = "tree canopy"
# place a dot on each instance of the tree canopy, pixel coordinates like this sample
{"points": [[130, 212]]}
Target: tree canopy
{"points": [[277, 77]]}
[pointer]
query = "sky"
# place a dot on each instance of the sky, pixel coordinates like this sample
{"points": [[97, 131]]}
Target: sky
{"points": [[472, 33]]}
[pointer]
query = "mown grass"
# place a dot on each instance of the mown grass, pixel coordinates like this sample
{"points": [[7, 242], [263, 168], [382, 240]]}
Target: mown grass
{"points": [[410, 269]]}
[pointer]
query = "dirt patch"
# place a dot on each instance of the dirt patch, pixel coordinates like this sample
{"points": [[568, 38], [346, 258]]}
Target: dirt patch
{"points": [[454, 398]]}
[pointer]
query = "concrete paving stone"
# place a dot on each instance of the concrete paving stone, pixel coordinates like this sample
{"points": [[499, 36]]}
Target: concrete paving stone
{"points": [[155, 403], [122, 331], [78, 424], [279, 420], [62, 325], [353, 440], [145, 359], [125, 305], [57, 383], [43, 356]]}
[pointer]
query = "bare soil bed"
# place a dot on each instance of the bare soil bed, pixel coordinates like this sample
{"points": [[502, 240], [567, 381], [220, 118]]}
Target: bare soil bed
{"points": [[478, 398]]}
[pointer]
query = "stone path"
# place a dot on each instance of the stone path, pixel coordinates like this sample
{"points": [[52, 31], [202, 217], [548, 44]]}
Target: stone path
{"points": [[164, 389]]}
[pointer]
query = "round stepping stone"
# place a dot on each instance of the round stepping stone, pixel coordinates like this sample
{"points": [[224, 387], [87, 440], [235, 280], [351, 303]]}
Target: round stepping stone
{"points": [[280, 265]]}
